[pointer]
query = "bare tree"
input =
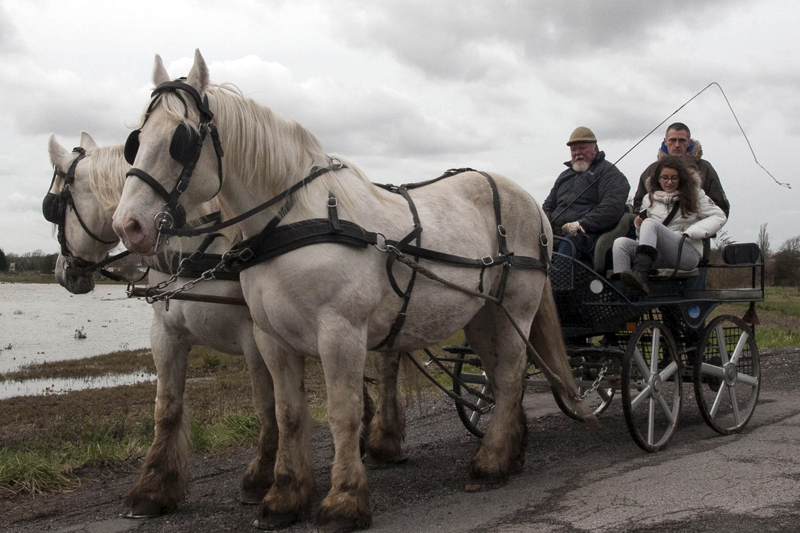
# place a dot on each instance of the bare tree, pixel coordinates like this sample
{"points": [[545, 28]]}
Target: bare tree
{"points": [[763, 240]]}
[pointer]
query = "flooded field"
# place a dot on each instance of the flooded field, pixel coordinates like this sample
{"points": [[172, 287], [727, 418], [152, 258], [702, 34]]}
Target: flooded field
{"points": [[44, 322]]}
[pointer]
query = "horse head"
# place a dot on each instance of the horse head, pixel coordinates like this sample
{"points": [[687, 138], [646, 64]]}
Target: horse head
{"points": [[170, 166], [83, 224]]}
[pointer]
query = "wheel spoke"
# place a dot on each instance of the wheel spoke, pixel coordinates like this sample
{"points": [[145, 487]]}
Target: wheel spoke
{"points": [[748, 380], [736, 417], [666, 408], [723, 348], [640, 362], [651, 422], [654, 351], [640, 397], [669, 371], [740, 346], [605, 394], [713, 370]]}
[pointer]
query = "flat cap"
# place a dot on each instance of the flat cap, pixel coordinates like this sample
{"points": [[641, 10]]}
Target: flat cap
{"points": [[582, 134]]}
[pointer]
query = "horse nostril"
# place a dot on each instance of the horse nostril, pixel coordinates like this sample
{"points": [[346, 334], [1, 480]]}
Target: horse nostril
{"points": [[132, 227]]}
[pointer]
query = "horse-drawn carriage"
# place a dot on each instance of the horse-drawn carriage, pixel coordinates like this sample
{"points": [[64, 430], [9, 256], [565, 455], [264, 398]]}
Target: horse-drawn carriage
{"points": [[646, 348], [336, 299]]}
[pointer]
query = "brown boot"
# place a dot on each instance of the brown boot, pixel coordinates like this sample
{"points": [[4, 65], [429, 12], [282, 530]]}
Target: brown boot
{"points": [[642, 263]]}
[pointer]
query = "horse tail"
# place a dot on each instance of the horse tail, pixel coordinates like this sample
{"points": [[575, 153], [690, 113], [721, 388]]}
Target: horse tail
{"points": [[551, 348]]}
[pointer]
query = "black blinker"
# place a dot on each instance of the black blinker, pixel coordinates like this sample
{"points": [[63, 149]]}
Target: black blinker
{"points": [[54, 209], [185, 145], [132, 146]]}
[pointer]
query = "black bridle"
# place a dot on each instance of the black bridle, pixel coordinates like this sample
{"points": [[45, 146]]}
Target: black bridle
{"points": [[54, 209], [185, 149]]}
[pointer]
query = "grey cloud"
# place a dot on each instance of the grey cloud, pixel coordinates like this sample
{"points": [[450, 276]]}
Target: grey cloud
{"points": [[469, 41], [10, 40]]}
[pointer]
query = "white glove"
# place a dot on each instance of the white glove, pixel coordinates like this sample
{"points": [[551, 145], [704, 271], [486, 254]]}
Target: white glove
{"points": [[571, 228]]}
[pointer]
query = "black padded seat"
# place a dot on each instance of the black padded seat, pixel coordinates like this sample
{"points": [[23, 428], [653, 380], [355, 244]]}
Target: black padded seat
{"points": [[605, 241]]}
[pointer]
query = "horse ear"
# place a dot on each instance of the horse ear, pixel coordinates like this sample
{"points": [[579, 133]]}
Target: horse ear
{"points": [[160, 74], [198, 76], [58, 154], [87, 142]]}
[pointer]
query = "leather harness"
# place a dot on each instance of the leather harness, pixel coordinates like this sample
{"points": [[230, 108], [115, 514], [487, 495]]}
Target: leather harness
{"points": [[275, 240]]}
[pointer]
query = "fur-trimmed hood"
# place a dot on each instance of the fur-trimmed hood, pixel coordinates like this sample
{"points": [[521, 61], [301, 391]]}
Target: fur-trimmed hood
{"points": [[690, 159]]}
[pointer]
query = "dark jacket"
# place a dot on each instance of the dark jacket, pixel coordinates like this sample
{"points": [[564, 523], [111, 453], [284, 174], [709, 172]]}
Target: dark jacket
{"points": [[595, 198], [709, 179]]}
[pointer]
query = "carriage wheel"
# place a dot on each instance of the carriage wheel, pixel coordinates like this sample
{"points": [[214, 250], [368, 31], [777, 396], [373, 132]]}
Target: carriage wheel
{"points": [[727, 374], [598, 400], [476, 422], [651, 386]]}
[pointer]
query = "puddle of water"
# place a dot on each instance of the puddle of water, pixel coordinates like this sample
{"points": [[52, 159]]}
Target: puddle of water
{"points": [[33, 387], [39, 322]]}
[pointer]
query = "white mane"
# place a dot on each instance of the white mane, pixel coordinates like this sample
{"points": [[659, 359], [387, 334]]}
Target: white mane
{"points": [[270, 153], [107, 178]]}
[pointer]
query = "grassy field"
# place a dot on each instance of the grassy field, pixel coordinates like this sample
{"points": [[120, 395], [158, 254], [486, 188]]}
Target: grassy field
{"points": [[49, 443]]}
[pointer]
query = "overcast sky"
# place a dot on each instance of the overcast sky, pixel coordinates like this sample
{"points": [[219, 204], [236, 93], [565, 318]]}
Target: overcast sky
{"points": [[408, 89]]}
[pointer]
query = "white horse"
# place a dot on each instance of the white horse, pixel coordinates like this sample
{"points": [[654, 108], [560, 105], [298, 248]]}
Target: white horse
{"points": [[164, 480], [334, 301]]}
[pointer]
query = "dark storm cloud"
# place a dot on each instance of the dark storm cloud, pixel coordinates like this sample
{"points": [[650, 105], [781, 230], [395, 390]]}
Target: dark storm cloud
{"points": [[472, 40]]}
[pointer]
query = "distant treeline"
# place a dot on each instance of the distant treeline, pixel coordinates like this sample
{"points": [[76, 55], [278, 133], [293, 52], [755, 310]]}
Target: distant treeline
{"points": [[38, 261], [35, 261]]}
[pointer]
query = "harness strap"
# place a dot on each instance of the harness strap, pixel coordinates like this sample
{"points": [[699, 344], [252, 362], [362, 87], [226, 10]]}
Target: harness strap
{"points": [[284, 239], [315, 173], [333, 214]]}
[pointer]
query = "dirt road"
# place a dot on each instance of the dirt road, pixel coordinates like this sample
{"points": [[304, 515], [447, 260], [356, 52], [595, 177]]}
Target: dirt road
{"points": [[577, 478]]}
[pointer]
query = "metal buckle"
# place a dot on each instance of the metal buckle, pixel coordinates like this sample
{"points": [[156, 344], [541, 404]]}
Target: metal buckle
{"points": [[543, 240], [333, 202], [487, 261], [501, 230]]}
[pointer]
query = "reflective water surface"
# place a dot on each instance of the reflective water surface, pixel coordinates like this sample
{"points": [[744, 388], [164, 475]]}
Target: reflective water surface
{"points": [[44, 322]]}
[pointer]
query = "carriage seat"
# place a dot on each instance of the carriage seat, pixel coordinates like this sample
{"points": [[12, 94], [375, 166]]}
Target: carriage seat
{"points": [[602, 248]]}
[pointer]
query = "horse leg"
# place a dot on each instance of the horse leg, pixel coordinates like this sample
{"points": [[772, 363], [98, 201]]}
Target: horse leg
{"points": [[502, 352], [293, 488], [164, 479], [260, 475], [388, 427], [343, 353]]}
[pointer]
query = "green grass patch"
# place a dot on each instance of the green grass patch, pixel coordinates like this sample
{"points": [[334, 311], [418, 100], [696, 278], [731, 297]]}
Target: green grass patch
{"points": [[774, 338]]}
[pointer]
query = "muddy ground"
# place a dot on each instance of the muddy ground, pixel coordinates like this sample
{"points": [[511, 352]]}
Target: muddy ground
{"points": [[577, 478]]}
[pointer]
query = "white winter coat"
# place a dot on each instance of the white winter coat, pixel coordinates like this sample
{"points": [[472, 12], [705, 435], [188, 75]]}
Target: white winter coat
{"points": [[698, 226]]}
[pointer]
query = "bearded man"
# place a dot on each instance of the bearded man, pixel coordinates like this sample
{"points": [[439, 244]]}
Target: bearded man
{"points": [[588, 199]]}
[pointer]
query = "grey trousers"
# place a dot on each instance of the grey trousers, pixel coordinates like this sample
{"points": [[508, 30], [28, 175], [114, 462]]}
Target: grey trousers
{"points": [[663, 239]]}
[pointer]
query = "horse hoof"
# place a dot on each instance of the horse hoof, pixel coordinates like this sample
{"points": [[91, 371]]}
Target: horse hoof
{"points": [[275, 521], [144, 509], [481, 487], [341, 526], [371, 463], [247, 497]]}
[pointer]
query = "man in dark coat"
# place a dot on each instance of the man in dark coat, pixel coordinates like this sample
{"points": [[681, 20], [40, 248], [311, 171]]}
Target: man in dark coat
{"points": [[678, 142], [588, 199]]}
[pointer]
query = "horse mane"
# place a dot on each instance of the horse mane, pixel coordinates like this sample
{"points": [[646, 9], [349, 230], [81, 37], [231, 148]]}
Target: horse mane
{"points": [[107, 175], [269, 152]]}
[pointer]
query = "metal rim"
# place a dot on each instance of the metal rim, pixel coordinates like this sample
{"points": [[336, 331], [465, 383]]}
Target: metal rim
{"points": [[727, 374], [651, 386], [472, 419]]}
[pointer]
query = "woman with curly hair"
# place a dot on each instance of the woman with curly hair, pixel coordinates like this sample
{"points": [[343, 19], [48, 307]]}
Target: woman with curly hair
{"points": [[674, 206]]}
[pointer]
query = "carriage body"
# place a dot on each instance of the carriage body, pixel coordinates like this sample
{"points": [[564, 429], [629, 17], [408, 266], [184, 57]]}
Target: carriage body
{"points": [[647, 348]]}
